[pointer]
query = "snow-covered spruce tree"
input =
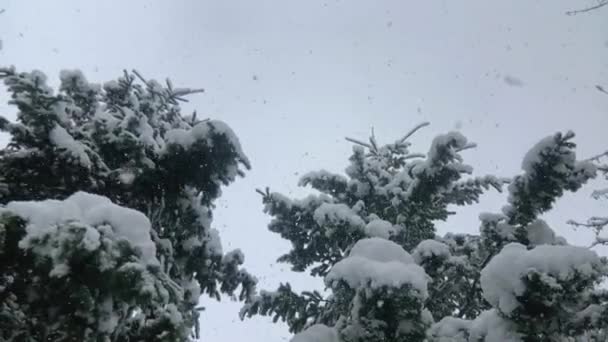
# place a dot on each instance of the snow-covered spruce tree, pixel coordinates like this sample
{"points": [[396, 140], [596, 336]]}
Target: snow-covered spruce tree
{"points": [[538, 287], [356, 233], [106, 196]]}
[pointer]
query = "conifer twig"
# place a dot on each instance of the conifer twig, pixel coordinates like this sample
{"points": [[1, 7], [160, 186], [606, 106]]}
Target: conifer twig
{"points": [[413, 130], [355, 141], [588, 9]]}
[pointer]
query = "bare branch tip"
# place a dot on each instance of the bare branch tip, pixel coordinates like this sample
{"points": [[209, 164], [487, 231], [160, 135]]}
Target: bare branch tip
{"points": [[357, 142], [588, 9], [413, 130]]}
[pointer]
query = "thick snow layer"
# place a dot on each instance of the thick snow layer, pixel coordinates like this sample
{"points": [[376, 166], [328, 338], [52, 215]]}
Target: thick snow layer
{"points": [[323, 175], [172, 312], [75, 79], [533, 156], [450, 329], [577, 172], [127, 177], [377, 262], [214, 243], [379, 228], [490, 327], [62, 139], [204, 131], [381, 250], [430, 248], [108, 320], [437, 152], [501, 279], [194, 289], [88, 209], [539, 233], [330, 213], [317, 333], [138, 124], [361, 272]]}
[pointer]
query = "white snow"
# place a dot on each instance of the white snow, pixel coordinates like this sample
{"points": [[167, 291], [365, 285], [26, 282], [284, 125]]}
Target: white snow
{"points": [[235, 256], [317, 333], [450, 329], [214, 243], [36, 78], [332, 214], [491, 217], [62, 139], [172, 312], [501, 279], [204, 131], [379, 228], [430, 248], [193, 287], [533, 156], [539, 233], [377, 262], [75, 78], [86, 209], [60, 108], [456, 139], [381, 250], [490, 327], [108, 320], [593, 313], [126, 177], [600, 193], [586, 169], [324, 175], [191, 243]]}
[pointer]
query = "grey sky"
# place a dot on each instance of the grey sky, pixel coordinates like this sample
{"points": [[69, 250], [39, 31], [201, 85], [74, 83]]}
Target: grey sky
{"points": [[292, 78]]}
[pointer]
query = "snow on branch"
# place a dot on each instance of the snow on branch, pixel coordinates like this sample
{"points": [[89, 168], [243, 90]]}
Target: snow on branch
{"points": [[598, 156], [597, 225], [170, 94], [400, 144]]}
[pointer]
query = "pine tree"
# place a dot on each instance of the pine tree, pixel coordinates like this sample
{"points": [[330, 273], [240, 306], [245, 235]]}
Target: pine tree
{"points": [[107, 194], [389, 277], [389, 200]]}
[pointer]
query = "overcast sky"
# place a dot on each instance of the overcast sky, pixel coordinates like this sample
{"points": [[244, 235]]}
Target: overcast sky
{"points": [[292, 78]]}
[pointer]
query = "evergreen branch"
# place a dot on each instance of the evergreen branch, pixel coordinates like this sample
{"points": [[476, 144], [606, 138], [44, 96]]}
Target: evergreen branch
{"points": [[466, 147], [414, 155], [355, 141], [413, 130], [472, 291], [588, 9], [179, 92], [599, 241], [372, 141], [598, 157], [7, 71], [264, 194], [136, 73]]}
